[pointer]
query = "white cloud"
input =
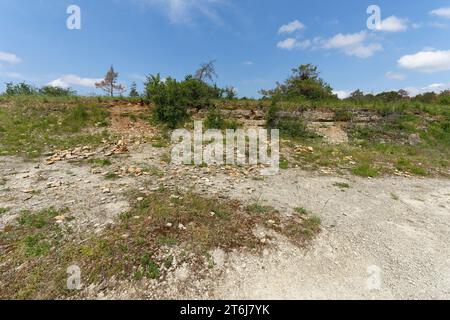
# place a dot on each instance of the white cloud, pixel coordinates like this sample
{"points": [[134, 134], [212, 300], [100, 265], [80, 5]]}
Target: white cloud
{"points": [[355, 44], [395, 76], [426, 61], [69, 80], [363, 51], [9, 58], [291, 27], [342, 94], [352, 44], [183, 11], [441, 12], [291, 43], [345, 40], [393, 24], [287, 44], [248, 63]]}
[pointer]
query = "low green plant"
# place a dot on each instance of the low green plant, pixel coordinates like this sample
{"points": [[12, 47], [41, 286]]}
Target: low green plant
{"points": [[100, 162], [215, 120], [342, 185], [365, 170], [294, 128], [150, 267]]}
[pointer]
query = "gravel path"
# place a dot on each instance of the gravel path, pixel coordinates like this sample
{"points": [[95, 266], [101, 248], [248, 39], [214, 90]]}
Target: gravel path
{"points": [[385, 238]]}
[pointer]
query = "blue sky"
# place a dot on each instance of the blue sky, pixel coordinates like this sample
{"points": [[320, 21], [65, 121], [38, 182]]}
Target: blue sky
{"points": [[255, 42]]}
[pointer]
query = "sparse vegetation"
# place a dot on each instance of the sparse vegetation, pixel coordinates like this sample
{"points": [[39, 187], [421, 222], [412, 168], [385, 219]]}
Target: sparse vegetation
{"points": [[257, 208], [127, 249], [100, 162], [301, 211], [366, 170], [112, 176], [394, 196], [342, 185], [215, 120], [290, 128]]}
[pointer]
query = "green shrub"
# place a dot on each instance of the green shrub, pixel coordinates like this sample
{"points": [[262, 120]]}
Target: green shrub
{"points": [[445, 99], [289, 127], [24, 89], [56, 92], [20, 89], [294, 128], [215, 120], [343, 115], [173, 98], [366, 170], [198, 93], [169, 99], [272, 115]]}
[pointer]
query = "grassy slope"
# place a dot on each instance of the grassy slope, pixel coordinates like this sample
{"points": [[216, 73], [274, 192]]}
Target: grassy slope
{"points": [[30, 126], [34, 125]]}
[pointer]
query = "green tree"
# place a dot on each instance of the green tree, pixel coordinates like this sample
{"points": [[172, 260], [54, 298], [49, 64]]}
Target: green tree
{"points": [[304, 82], [133, 91]]}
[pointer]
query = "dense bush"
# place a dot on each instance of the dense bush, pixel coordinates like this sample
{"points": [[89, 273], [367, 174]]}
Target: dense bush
{"points": [[24, 89], [169, 99], [198, 93], [173, 98], [56, 91], [444, 98], [401, 96], [19, 89]]}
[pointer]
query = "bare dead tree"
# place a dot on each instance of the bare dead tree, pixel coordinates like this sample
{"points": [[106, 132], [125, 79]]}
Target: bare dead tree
{"points": [[109, 83], [207, 71]]}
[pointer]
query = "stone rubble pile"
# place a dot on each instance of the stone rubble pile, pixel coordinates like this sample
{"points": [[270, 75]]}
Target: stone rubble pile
{"points": [[86, 152]]}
